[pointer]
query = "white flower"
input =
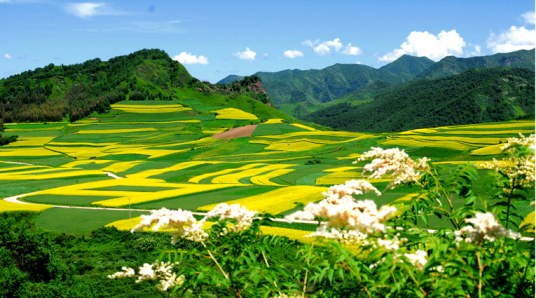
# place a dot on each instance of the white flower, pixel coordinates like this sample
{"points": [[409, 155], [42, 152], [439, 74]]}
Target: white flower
{"points": [[417, 259], [361, 216], [402, 168], [241, 214], [181, 223], [157, 271], [484, 227], [129, 272]]}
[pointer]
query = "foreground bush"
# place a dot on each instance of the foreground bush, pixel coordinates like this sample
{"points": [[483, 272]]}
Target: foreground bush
{"points": [[358, 250]]}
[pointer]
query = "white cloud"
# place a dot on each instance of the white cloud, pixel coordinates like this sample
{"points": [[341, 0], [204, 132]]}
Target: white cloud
{"points": [[358, 62], [476, 52], [528, 17], [324, 48], [292, 54], [246, 55], [513, 39], [8, 56], [428, 45], [349, 50], [89, 9], [188, 58]]}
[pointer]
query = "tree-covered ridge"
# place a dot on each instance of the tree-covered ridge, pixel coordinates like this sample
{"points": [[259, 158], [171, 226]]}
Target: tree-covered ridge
{"points": [[53, 92], [474, 96], [451, 65], [314, 87], [320, 86]]}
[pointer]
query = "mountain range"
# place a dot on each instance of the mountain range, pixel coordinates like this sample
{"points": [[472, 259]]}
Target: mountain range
{"points": [[317, 87]]}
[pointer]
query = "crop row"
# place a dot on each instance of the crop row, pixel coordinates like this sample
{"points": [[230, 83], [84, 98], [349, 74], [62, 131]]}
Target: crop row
{"points": [[279, 200]]}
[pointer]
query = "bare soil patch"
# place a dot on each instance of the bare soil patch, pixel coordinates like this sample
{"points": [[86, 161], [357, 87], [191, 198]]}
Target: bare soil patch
{"points": [[239, 132]]}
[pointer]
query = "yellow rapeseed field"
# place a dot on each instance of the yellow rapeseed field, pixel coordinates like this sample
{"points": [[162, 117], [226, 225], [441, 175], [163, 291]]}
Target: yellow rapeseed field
{"points": [[30, 142], [27, 152], [489, 150], [342, 169], [206, 140], [303, 126], [265, 179], [351, 156], [74, 164], [261, 141], [488, 132], [177, 167], [236, 114], [66, 174], [150, 109], [9, 206], [121, 166], [197, 179], [34, 129], [185, 189], [107, 131], [422, 130], [279, 200], [527, 124], [75, 144], [293, 146], [235, 177], [274, 121], [9, 169], [344, 134], [341, 177]]}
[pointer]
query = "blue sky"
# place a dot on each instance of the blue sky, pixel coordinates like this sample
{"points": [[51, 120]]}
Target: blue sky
{"points": [[215, 38]]}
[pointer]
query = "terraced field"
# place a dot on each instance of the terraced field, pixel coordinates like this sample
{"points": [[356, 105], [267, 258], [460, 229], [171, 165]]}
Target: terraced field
{"points": [[152, 154]]}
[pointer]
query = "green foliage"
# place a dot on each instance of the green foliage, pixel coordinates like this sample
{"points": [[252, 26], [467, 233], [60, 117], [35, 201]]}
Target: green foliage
{"points": [[474, 96], [451, 65], [7, 140]]}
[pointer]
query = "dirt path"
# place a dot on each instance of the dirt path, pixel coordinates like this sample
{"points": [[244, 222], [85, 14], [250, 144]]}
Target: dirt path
{"points": [[239, 132]]}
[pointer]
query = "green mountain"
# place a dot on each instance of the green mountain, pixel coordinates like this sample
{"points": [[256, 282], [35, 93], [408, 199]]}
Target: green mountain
{"points": [[230, 79], [57, 91], [408, 65], [355, 98], [451, 65], [321, 86], [474, 96]]}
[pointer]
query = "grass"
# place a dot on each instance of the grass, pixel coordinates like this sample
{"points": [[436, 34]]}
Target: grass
{"points": [[65, 200], [193, 202], [134, 188], [79, 221]]}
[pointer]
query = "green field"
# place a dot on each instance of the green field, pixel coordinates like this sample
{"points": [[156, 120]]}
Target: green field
{"points": [[170, 150]]}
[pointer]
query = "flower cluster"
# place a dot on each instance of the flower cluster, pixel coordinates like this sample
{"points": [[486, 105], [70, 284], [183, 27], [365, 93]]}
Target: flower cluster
{"points": [[344, 213], [344, 236], [523, 169], [403, 169], [417, 259], [157, 271], [181, 223], [484, 227], [343, 192], [243, 216]]}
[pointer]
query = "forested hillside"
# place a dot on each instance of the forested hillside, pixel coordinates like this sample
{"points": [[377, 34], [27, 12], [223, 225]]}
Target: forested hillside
{"points": [[451, 65], [474, 96], [57, 91], [320, 86]]}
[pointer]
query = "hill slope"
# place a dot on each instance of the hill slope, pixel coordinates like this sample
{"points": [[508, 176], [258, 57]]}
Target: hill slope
{"points": [[451, 65], [474, 96], [320, 86], [53, 92]]}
